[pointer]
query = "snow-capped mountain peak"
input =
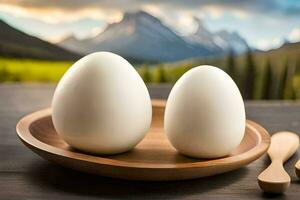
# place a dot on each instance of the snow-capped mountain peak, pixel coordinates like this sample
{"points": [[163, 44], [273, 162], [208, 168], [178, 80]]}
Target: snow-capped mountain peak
{"points": [[201, 28], [139, 16], [232, 40], [141, 36], [202, 36], [223, 39]]}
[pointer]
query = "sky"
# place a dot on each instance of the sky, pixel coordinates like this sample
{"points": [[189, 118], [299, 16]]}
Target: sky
{"points": [[265, 24]]}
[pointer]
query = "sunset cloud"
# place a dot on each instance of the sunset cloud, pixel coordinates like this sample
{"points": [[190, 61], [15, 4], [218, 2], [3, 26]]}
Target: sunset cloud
{"points": [[258, 21], [216, 7], [58, 15]]}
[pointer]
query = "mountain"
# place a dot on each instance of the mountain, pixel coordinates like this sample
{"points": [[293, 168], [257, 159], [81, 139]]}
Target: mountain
{"points": [[231, 40], [14, 43], [287, 52], [73, 44], [203, 36], [142, 37], [219, 41]]}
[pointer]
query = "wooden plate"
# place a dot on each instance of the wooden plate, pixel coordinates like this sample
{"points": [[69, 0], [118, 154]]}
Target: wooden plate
{"points": [[153, 159]]}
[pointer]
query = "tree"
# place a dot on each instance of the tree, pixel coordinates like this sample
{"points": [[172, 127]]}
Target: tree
{"points": [[289, 92], [250, 76], [283, 80], [297, 67], [297, 72], [161, 75], [4, 73], [230, 65], [147, 75], [267, 81]]}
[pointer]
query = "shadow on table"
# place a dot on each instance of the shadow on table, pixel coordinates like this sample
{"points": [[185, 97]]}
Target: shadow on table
{"points": [[46, 174]]}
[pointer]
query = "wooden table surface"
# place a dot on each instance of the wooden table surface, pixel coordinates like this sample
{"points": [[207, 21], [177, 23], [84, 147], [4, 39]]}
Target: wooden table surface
{"points": [[24, 175]]}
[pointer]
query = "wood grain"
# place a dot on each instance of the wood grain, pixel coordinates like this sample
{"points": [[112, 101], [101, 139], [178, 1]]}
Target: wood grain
{"points": [[153, 159], [24, 175]]}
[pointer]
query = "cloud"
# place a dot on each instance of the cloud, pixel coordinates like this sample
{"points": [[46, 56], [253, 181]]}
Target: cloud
{"points": [[267, 44], [57, 11], [294, 36], [287, 7], [95, 31], [258, 20]]}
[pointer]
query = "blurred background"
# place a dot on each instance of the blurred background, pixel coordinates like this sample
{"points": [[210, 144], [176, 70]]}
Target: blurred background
{"points": [[255, 42]]}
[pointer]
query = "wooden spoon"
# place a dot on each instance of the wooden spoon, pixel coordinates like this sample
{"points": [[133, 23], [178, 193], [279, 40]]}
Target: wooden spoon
{"points": [[275, 179], [297, 168]]}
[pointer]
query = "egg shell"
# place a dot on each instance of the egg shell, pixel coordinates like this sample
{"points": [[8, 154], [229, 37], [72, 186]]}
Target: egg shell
{"points": [[101, 105], [205, 113]]}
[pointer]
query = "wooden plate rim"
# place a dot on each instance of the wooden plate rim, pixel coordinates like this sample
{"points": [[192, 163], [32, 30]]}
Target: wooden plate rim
{"points": [[23, 132]]}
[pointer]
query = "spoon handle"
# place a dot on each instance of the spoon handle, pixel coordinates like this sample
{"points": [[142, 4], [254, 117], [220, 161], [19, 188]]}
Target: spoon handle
{"points": [[283, 146], [275, 179], [297, 168]]}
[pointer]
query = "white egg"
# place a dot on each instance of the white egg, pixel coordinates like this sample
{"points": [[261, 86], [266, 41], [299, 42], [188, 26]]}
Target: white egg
{"points": [[101, 105], [205, 113]]}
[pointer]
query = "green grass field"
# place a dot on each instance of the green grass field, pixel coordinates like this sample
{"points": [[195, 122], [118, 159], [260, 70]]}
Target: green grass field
{"points": [[27, 70]]}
